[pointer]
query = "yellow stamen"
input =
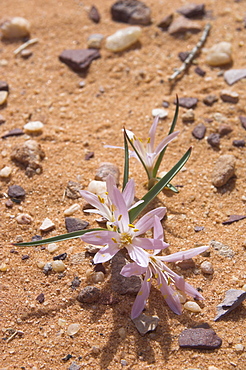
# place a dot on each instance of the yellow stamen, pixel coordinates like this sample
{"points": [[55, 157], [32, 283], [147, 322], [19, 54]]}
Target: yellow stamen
{"points": [[114, 240], [148, 280], [106, 192], [114, 228], [136, 230], [148, 140], [131, 225], [160, 285], [101, 199], [165, 296], [119, 217], [156, 276], [140, 293], [169, 280]]}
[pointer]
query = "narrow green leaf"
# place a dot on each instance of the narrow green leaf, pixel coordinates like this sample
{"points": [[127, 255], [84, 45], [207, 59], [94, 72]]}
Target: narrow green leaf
{"points": [[126, 164], [59, 238], [152, 193]]}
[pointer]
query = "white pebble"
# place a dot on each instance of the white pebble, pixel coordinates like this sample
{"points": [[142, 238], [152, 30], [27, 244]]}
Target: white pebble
{"points": [[33, 127], [41, 264], [73, 329], [5, 171], [98, 188], [62, 322], [192, 306], [239, 348], [219, 54], [207, 267], [24, 219], [58, 266], [47, 225], [3, 97], [94, 41], [52, 247], [123, 38], [98, 277], [162, 113], [16, 27], [3, 267], [71, 210]]}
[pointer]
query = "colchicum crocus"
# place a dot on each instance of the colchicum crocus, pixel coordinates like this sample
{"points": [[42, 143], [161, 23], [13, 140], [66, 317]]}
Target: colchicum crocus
{"points": [[167, 280]]}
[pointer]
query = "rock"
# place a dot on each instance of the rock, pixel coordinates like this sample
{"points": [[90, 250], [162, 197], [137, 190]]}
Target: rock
{"points": [[233, 75], [71, 210], [79, 59], [58, 266], [94, 14], [72, 190], [60, 257], [233, 298], [47, 268], [75, 283], [223, 250], [9, 203], [121, 284], [5, 172], [89, 155], [34, 127], [75, 224], [243, 121], [26, 53], [219, 54], [89, 294], [210, 99], [229, 96], [123, 38], [188, 116], [24, 219], [73, 329], [15, 28], [192, 10], [162, 113], [188, 102], [198, 228], [214, 140], [40, 298], [207, 268], [200, 338], [165, 22], [239, 143], [131, 11], [106, 169], [74, 366], [199, 131], [145, 323], [14, 132], [29, 154], [183, 55], [4, 86], [224, 169], [16, 192], [94, 41], [2, 119], [98, 277], [3, 97], [193, 307], [52, 247], [199, 71], [233, 218], [47, 225], [182, 25], [186, 264], [224, 130]]}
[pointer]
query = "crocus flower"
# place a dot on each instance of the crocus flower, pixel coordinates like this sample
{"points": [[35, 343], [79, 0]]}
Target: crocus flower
{"points": [[167, 280], [123, 234]]}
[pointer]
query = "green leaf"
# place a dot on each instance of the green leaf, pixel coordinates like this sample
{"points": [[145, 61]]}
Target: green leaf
{"points": [[160, 157], [152, 193], [59, 238], [126, 164], [172, 188]]}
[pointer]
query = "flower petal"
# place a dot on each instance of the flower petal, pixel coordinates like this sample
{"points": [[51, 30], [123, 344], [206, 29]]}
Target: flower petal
{"points": [[149, 243], [147, 221], [152, 131], [121, 212], [132, 269], [183, 255], [105, 253], [169, 294], [142, 296], [101, 237], [129, 193], [138, 255], [165, 142], [95, 202]]}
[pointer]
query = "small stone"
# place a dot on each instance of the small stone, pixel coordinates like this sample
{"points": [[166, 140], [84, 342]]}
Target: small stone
{"points": [[200, 338], [145, 323], [24, 219], [239, 143], [60, 257], [233, 298], [186, 264], [193, 307], [229, 96], [224, 130], [199, 71], [72, 190], [192, 10], [165, 22], [67, 358], [188, 116], [123, 38], [123, 362], [106, 169], [3, 267], [162, 113], [75, 283], [3, 97], [16, 192], [98, 277], [219, 54], [94, 41], [181, 25], [9, 203], [79, 59], [198, 228], [4, 86], [5, 172], [14, 132], [183, 55], [26, 53], [89, 294], [75, 224], [94, 14], [89, 155], [233, 75], [207, 268], [34, 127], [199, 131], [47, 267], [219, 117], [243, 121], [58, 266], [15, 28], [131, 12], [239, 348], [47, 225], [188, 102], [210, 99], [233, 218], [71, 210], [74, 366], [92, 249], [52, 247], [73, 329], [224, 169], [40, 298], [214, 140], [62, 322], [223, 250], [25, 257], [122, 333]]}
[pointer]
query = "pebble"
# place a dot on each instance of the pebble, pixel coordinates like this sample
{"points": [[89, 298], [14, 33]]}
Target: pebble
{"points": [[52, 247], [75, 283], [73, 329], [3, 97], [3, 267], [223, 250], [14, 132], [199, 131], [239, 347], [71, 210], [182, 25], [224, 130], [123, 38], [243, 121], [34, 127], [5, 172], [74, 366], [186, 264], [192, 10], [94, 41], [24, 219], [219, 54], [131, 12], [89, 155], [9, 203], [75, 224], [239, 143], [207, 268], [79, 59], [233, 218], [26, 53], [233, 75], [188, 116], [165, 22], [162, 113], [229, 96], [122, 333], [210, 99], [145, 323], [89, 294], [58, 266], [223, 170], [47, 225], [219, 117], [202, 337], [106, 169], [62, 322], [192, 306], [4, 86], [214, 140], [233, 298], [72, 190], [47, 267], [94, 14], [40, 298], [15, 28], [199, 71], [16, 192], [183, 55], [98, 277], [41, 264], [188, 102]]}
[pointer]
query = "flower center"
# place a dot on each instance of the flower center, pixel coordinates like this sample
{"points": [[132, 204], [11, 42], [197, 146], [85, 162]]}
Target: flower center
{"points": [[125, 239]]}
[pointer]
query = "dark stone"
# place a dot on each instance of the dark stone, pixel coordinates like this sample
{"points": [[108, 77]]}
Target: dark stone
{"points": [[47, 268], [188, 102], [94, 14], [66, 358], [9, 203], [99, 267], [165, 22], [210, 99], [165, 104], [40, 298], [186, 264], [224, 130], [89, 155], [214, 140], [16, 191], [2, 119], [199, 131], [183, 55], [75, 224], [4, 86], [75, 283], [200, 338], [14, 132], [25, 257], [60, 257], [200, 71], [89, 294], [192, 10], [72, 190], [79, 59], [229, 97], [243, 121], [36, 238], [233, 298], [198, 228], [74, 366], [131, 12], [239, 143], [233, 218]]}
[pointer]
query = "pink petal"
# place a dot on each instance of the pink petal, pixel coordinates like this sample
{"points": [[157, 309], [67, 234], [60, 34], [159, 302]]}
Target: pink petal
{"points": [[148, 243], [101, 237], [165, 141], [106, 253], [128, 193], [158, 228], [169, 294], [142, 296], [152, 132], [147, 221], [121, 212], [184, 255], [132, 269], [94, 201], [138, 255]]}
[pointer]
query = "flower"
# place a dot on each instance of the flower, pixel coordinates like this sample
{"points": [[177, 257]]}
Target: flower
{"points": [[123, 234], [167, 280]]}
